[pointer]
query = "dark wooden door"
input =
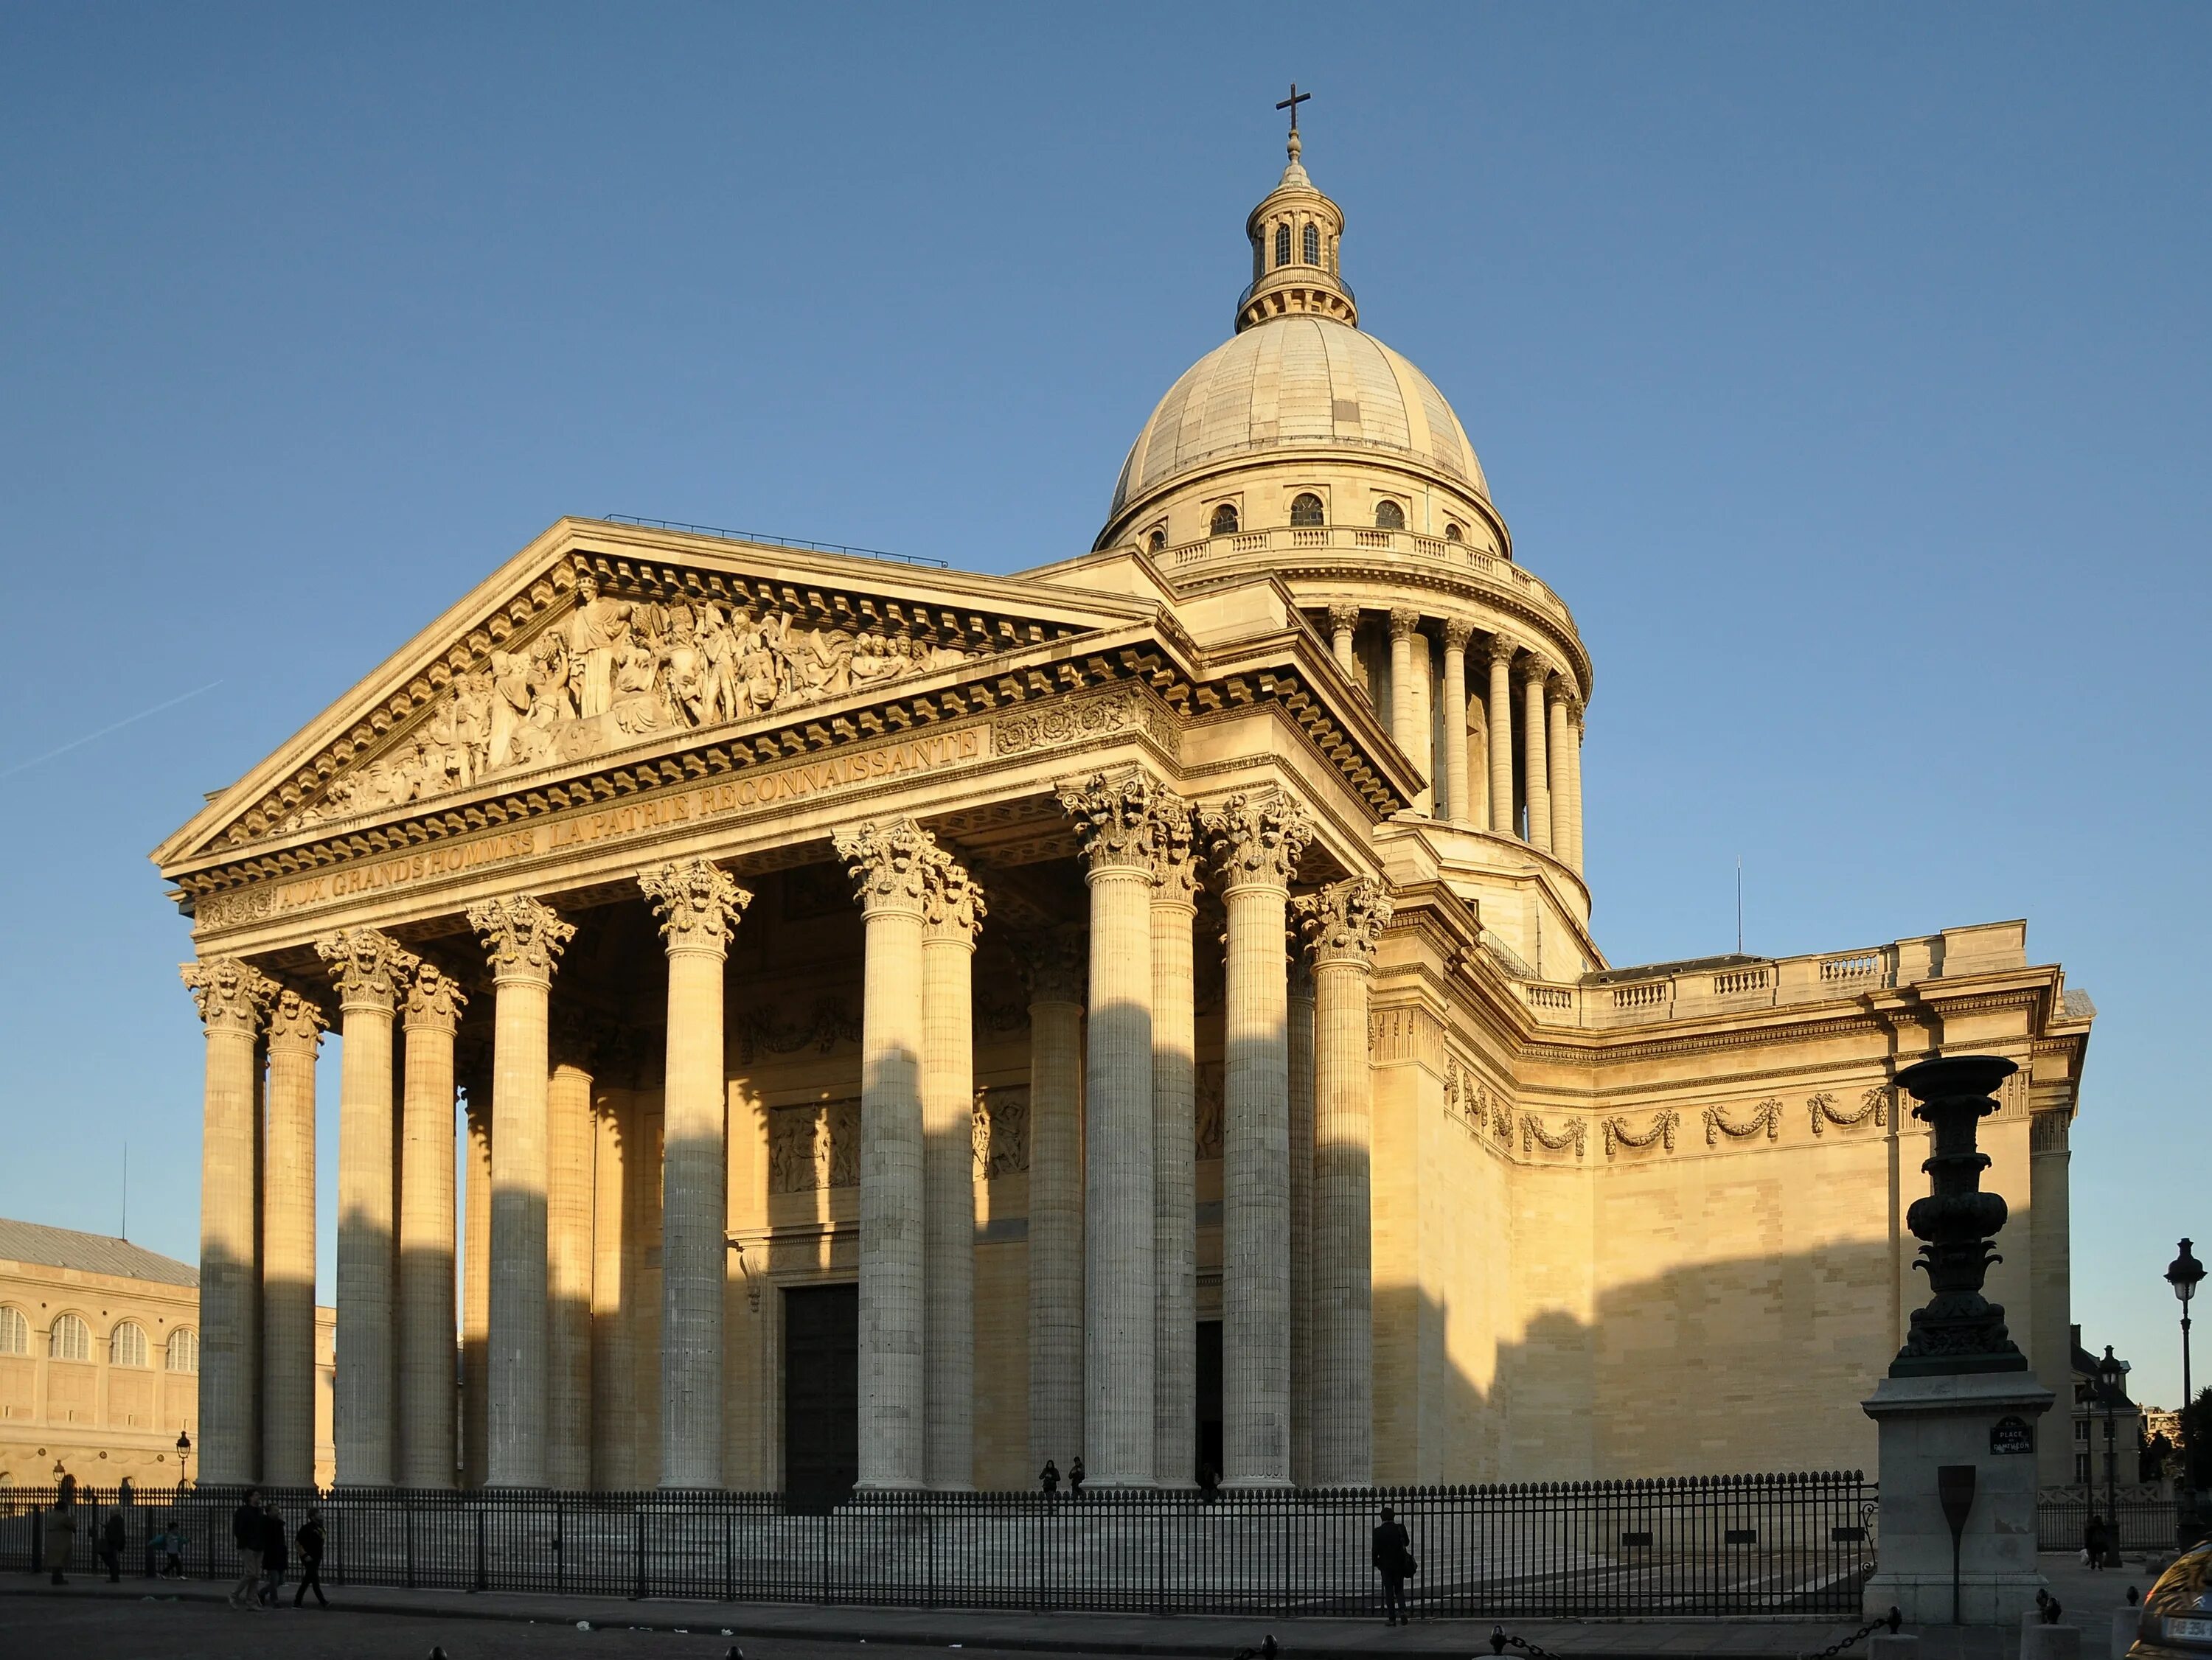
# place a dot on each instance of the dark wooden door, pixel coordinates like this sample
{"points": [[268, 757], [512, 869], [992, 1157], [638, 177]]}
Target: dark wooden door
{"points": [[821, 1394]]}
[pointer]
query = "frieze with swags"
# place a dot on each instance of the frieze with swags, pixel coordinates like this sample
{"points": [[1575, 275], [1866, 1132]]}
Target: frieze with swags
{"points": [[1124, 710]]}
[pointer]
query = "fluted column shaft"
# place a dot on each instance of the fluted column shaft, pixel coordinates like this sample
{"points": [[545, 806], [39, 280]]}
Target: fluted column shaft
{"points": [[1537, 782], [476, 1297], [1500, 709], [1458, 790], [1343, 622], [288, 1247], [954, 911], [1304, 1399], [698, 904], [427, 1232], [1175, 1205], [1256, 839], [368, 968], [1344, 921], [232, 998], [1056, 967], [1404, 687], [569, 1150], [1555, 748], [524, 940], [1116, 817], [1571, 755], [889, 862]]}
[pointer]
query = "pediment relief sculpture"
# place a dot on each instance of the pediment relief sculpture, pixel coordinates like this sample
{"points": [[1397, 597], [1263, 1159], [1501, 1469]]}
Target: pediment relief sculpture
{"points": [[609, 672]]}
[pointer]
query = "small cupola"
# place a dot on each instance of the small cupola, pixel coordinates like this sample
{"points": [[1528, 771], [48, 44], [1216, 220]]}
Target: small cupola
{"points": [[1295, 233]]}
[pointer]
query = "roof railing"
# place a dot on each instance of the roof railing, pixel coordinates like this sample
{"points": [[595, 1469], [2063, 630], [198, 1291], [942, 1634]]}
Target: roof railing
{"points": [[766, 540]]}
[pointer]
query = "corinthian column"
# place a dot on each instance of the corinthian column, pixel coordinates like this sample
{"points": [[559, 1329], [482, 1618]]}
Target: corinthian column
{"points": [[1557, 692], [368, 968], [1459, 792], [288, 1246], [570, 1146], [1174, 1210], [1405, 691], [1343, 922], [1053, 966], [1500, 709], [426, 1231], [1571, 755], [953, 913], [1536, 782], [524, 940], [889, 863], [232, 999], [1343, 621], [1116, 819], [699, 905], [1303, 1398], [1257, 841]]}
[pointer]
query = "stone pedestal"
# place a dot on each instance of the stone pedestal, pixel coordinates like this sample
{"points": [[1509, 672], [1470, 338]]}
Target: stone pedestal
{"points": [[1926, 1423]]}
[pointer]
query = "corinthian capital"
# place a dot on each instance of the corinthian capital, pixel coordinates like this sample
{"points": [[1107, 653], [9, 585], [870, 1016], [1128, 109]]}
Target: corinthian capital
{"points": [[294, 1020], [951, 904], [1056, 965], [888, 864], [230, 996], [523, 937], [1533, 671], [1174, 854], [433, 1001], [1403, 622], [1118, 818], [1257, 837], [367, 967], [1503, 647], [1343, 921], [698, 903], [1458, 632], [1560, 689], [1343, 614]]}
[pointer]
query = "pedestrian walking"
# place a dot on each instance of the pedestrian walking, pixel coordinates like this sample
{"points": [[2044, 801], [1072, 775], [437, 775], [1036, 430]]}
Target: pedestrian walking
{"points": [[170, 1542], [112, 1538], [2096, 1540], [274, 1555], [58, 1538], [246, 1530], [1075, 1477], [1394, 1560], [310, 1540], [1049, 1478]]}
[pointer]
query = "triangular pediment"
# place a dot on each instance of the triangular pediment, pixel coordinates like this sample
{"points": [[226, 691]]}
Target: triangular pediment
{"points": [[602, 639]]}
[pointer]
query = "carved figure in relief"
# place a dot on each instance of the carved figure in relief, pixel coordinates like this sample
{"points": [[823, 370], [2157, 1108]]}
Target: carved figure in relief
{"points": [[595, 631], [638, 704]]}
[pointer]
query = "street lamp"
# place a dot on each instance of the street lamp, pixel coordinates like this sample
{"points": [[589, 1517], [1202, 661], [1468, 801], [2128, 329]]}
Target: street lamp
{"points": [[2111, 1374], [2182, 1274], [183, 1458]]}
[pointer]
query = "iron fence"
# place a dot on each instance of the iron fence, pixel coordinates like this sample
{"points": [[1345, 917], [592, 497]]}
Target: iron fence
{"points": [[1774, 1546], [2134, 1524]]}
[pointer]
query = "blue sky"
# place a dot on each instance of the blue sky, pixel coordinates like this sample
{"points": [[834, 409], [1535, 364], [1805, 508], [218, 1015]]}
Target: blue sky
{"points": [[1846, 369]]}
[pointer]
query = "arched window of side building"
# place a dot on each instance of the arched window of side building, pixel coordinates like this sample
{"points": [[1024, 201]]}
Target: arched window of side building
{"points": [[1389, 516], [70, 1339], [1305, 509], [15, 1332], [127, 1345], [1224, 520], [183, 1352]]}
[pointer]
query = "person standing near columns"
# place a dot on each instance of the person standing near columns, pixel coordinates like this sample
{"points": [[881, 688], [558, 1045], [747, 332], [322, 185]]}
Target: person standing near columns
{"points": [[232, 999], [1343, 622], [953, 913], [1054, 966], [1537, 785], [890, 865], [1405, 687], [368, 968], [1459, 798], [1257, 838], [1570, 752], [426, 1231], [1343, 922], [699, 904], [1174, 1208], [1117, 820], [524, 939], [1303, 1395], [288, 1246], [1500, 709]]}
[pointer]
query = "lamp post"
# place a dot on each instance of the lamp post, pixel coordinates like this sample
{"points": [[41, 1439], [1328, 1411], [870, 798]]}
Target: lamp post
{"points": [[2182, 1274], [2110, 1372], [184, 1459]]}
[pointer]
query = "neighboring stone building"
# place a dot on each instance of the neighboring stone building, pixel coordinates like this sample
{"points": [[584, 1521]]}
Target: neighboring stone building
{"points": [[99, 1353], [744, 891]]}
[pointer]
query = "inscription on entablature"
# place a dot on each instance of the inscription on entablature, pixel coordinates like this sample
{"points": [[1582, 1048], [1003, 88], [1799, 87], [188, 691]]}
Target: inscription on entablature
{"points": [[853, 769]]}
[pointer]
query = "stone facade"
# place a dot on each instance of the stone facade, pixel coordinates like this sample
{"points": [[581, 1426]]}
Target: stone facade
{"points": [[1192, 931]]}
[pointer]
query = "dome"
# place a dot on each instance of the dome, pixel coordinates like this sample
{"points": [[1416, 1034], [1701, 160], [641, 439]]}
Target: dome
{"points": [[1293, 383]]}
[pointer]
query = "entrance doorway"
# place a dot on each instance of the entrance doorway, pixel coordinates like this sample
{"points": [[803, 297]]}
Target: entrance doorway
{"points": [[1209, 1396], [821, 1394]]}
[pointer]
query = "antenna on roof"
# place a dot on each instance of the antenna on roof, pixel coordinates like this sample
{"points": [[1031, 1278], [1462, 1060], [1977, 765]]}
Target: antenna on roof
{"points": [[1739, 905], [125, 1231]]}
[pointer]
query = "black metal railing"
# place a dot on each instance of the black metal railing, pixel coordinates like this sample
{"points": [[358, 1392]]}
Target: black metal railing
{"points": [[764, 538], [2142, 1523], [1775, 1547]]}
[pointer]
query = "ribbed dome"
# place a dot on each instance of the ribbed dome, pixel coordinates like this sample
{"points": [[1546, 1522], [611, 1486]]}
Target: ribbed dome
{"points": [[1297, 382]]}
